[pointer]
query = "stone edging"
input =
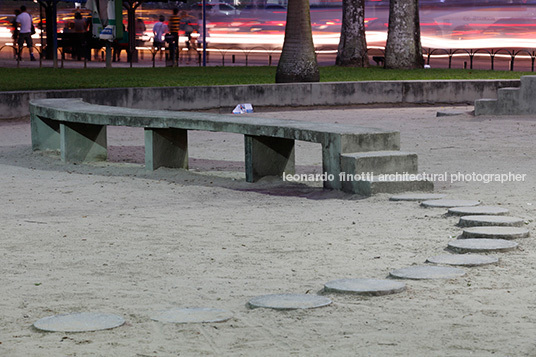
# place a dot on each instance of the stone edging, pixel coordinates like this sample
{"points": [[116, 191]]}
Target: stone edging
{"points": [[15, 104]]}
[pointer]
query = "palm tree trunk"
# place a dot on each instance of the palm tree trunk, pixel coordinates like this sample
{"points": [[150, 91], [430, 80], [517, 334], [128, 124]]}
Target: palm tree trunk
{"points": [[403, 49], [352, 50], [298, 58]]}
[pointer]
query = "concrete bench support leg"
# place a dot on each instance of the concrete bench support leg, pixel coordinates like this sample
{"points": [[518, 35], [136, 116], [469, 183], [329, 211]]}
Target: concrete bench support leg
{"points": [[267, 156], [83, 142], [166, 147], [45, 133], [331, 161]]}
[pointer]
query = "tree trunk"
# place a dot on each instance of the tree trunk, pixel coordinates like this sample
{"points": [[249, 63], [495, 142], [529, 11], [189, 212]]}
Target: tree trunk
{"points": [[298, 58], [49, 29], [403, 49], [132, 54], [352, 50]]}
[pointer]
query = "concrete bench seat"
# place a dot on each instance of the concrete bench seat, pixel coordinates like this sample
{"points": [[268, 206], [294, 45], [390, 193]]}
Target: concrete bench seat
{"points": [[78, 130]]}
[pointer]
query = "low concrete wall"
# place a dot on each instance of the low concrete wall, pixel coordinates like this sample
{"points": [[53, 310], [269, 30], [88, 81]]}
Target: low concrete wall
{"points": [[15, 104]]}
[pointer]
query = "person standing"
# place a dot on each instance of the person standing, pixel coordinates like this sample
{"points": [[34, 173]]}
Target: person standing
{"points": [[80, 29], [24, 19], [159, 29], [120, 45], [202, 39], [15, 33], [186, 26], [174, 27], [140, 32]]}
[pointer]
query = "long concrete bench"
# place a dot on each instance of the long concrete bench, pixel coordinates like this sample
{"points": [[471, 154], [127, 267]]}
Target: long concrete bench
{"points": [[78, 130]]}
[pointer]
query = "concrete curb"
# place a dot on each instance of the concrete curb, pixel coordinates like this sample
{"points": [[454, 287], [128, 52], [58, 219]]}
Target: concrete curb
{"points": [[15, 104]]}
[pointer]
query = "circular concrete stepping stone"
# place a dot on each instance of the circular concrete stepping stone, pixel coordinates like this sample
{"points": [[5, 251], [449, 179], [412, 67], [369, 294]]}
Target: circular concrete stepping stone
{"points": [[417, 197], [427, 272], [467, 260], [289, 301], [371, 287], [79, 322], [192, 315], [483, 245], [482, 220], [449, 203], [478, 210], [495, 232]]}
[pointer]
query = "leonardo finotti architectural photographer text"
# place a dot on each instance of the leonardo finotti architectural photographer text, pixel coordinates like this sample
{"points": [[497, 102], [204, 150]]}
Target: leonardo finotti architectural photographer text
{"points": [[405, 176]]}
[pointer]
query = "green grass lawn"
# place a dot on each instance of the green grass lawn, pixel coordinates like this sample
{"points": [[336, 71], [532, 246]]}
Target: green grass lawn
{"points": [[50, 78]]}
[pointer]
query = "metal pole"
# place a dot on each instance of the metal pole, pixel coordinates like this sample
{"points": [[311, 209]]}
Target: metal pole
{"points": [[108, 54], [55, 33], [41, 26], [204, 34]]}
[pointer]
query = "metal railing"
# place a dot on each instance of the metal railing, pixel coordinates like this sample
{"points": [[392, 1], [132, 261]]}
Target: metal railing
{"points": [[511, 54], [236, 54]]}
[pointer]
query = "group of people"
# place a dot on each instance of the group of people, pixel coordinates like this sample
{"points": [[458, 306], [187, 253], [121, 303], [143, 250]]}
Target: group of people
{"points": [[76, 33], [22, 31], [170, 33], [80, 31]]}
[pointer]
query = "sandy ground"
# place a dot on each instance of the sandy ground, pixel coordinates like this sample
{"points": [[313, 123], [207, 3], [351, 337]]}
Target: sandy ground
{"points": [[110, 237]]}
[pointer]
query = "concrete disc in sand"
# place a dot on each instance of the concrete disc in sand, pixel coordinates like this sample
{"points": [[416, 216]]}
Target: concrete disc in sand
{"points": [[483, 245], [79, 322], [468, 260], [449, 203], [192, 315], [417, 197], [482, 220], [372, 287], [495, 232], [427, 272], [478, 210], [289, 301]]}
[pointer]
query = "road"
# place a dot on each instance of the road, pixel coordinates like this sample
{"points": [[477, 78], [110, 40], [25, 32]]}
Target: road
{"points": [[256, 36]]}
